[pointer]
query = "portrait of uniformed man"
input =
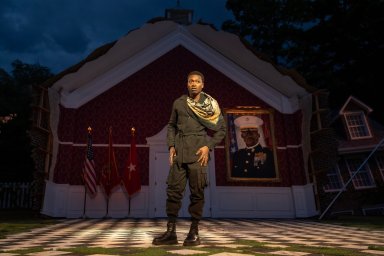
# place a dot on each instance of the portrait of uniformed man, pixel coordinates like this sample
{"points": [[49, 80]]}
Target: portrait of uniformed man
{"points": [[254, 160]]}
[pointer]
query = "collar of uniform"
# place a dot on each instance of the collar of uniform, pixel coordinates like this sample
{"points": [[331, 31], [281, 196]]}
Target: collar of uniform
{"points": [[254, 146]]}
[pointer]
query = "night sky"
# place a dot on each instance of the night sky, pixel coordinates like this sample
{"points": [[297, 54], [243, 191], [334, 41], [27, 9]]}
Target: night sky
{"points": [[59, 33]]}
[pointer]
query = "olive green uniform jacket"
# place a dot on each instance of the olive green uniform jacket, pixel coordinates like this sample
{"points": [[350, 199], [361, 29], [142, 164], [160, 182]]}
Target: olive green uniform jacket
{"points": [[187, 134]]}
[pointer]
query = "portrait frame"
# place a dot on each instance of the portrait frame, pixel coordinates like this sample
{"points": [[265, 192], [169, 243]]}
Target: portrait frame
{"points": [[263, 165]]}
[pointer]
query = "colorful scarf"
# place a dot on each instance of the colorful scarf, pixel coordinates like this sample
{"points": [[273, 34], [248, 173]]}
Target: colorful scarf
{"points": [[208, 112]]}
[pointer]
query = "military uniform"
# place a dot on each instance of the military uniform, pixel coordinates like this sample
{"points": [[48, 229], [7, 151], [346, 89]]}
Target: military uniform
{"points": [[187, 134], [254, 162]]}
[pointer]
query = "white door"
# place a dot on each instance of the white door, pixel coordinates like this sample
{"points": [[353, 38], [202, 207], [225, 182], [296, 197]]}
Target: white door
{"points": [[161, 174]]}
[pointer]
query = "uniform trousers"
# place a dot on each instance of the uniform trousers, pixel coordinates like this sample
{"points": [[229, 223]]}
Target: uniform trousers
{"points": [[177, 179]]}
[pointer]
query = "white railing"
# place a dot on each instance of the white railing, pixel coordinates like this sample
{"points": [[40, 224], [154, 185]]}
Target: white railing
{"points": [[15, 195]]}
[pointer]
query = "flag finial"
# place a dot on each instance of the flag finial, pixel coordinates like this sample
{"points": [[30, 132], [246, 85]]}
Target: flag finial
{"points": [[89, 129], [133, 130]]}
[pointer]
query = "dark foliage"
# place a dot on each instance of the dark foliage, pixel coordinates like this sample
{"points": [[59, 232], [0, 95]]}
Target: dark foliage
{"points": [[15, 98], [335, 45]]}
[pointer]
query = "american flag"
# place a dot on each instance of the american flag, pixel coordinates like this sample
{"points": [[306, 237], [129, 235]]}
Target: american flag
{"points": [[89, 172]]}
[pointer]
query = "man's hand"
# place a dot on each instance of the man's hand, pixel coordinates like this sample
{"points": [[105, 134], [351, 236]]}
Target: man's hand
{"points": [[172, 154], [204, 155]]}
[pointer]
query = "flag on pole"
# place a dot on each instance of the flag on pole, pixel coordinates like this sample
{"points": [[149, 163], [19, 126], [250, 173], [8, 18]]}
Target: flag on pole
{"points": [[131, 176], [110, 177], [89, 173]]}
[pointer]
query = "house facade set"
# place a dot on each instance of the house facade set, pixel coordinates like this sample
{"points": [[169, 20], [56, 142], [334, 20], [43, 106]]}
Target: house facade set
{"points": [[355, 183], [132, 83]]}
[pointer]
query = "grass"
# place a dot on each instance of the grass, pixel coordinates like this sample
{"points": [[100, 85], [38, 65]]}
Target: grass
{"points": [[253, 249], [27, 251], [18, 221], [361, 222], [263, 247], [12, 222]]}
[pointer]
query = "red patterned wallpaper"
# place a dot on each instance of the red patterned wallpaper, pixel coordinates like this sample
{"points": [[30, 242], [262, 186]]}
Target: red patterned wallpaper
{"points": [[144, 100]]}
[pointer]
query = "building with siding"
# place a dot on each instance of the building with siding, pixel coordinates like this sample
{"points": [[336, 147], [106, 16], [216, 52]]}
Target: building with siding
{"points": [[132, 82], [354, 184]]}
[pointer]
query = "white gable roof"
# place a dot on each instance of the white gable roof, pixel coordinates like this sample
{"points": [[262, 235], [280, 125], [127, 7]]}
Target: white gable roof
{"points": [[222, 50]]}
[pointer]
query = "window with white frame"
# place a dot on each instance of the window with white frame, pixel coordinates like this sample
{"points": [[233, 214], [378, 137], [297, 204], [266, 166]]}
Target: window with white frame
{"points": [[363, 178], [335, 181], [380, 163], [357, 125]]}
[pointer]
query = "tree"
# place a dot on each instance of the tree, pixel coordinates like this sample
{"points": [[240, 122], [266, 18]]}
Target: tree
{"points": [[334, 44], [15, 99]]}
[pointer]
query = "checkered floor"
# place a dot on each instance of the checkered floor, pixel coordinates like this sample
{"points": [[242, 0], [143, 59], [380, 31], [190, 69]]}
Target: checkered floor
{"points": [[130, 233]]}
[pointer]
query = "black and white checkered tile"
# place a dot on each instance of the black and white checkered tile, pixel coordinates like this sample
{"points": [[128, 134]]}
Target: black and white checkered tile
{"points": [[140, 232]]}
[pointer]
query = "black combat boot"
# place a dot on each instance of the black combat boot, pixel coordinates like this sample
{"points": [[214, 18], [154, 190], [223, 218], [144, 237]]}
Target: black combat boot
{"points": [[168, 237], [193, 235]]}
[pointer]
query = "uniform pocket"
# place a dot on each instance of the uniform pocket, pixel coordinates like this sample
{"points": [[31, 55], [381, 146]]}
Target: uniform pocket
{"points": [[203, 178], [170, 175]]}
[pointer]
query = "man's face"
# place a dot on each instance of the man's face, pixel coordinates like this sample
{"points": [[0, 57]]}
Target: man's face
{"points": [[250, 136], [195, 84]]}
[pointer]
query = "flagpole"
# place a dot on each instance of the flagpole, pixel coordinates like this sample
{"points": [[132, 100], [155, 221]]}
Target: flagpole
{"points": [[89, 173], [111, 174], [89, 129], [106, 215], [85, 202], [129, 206], [106, 189], [130, 157], [109, 170], [85, 197]]}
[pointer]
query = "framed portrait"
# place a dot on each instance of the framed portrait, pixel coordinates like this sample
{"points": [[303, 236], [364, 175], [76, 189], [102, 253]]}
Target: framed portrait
{"points": [[250, 144]]}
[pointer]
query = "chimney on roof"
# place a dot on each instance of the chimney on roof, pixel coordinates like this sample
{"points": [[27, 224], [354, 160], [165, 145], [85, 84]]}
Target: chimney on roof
{"points": [[179, 15]]}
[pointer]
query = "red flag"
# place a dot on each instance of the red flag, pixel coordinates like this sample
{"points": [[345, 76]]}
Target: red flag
{"points": [[110, 177], [131, 176], [89, 173]]}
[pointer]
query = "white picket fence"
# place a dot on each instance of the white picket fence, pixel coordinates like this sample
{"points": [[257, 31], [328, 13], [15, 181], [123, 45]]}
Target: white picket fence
{"points": [[15, 195]]}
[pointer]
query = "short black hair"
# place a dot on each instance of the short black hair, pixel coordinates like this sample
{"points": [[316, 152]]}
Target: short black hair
{"points": [[198, 73]]}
